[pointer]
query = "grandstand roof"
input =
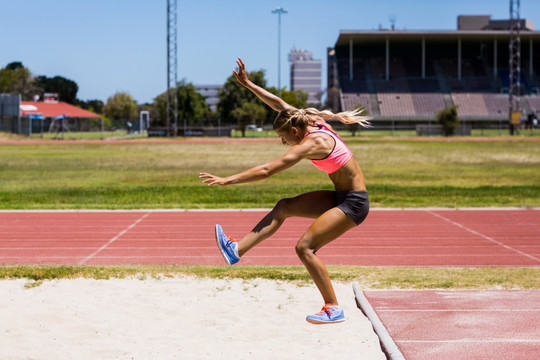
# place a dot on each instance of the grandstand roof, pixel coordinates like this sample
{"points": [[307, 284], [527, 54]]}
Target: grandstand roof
{"points": [[54, 109], [345, 36]]}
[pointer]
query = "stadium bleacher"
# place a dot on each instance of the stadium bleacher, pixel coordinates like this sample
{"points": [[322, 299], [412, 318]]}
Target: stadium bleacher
{"points": [[396, 104], [533, 102], [351, 100], [470, 104], [427, 104], [392, 81], [496, 104]]}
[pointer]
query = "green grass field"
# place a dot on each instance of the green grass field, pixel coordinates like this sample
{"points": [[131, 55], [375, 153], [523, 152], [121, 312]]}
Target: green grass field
{"points": [[400, 172]]}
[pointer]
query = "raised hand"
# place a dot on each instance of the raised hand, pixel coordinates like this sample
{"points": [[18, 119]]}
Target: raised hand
{"points": [[241, 74]]}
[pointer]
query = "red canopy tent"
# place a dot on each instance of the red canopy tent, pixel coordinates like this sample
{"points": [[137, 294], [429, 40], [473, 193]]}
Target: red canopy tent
{"points": [[54, 109], [59, 114]]}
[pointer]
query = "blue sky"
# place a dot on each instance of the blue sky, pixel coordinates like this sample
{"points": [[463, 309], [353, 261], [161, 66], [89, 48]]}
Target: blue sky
{"points": [[107, 46]]}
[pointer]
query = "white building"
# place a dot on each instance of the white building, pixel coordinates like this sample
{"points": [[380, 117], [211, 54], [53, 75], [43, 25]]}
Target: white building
{"points": [[306, 74], [210, 93]]}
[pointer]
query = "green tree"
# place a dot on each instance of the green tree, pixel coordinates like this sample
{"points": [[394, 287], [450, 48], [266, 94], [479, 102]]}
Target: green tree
{"points": [[233, 95], [120, 108], [449, 120], [297, 98], [192, 106], [16, 79], [14, 65], [249, 113], [65, 88], [95, 106]]}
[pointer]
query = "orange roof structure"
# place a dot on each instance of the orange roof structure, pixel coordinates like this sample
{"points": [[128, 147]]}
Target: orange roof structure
{"points": [[54, 109]]}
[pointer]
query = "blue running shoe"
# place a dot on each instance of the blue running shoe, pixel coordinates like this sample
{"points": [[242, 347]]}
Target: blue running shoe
{"points": [[227, 245], [328, 315]]}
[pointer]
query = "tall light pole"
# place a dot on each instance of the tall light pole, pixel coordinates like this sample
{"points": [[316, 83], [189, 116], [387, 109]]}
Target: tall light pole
{"points": [[172, 68], [279, 11], [514, 91]]}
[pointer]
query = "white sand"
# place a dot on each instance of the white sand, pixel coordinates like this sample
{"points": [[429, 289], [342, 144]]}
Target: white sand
{"points": [[180, 318]]}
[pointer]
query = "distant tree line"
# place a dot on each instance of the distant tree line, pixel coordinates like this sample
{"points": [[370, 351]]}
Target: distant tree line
{"points": [[237, 106]]}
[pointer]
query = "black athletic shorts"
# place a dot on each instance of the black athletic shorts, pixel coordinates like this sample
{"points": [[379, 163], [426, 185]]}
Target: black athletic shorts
{"points": [[355, 204]]}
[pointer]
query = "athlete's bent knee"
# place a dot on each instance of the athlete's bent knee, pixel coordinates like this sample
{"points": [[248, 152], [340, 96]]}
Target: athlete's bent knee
{"points": [[303, 250], [281, 209]]}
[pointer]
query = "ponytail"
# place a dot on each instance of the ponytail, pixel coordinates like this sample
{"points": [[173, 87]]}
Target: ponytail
{"points": [[357, 116], [301, 118]]}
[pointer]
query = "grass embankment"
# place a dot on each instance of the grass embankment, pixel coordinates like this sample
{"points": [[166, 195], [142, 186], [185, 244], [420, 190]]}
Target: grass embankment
{"points": [[366, 277], [400, 173]]}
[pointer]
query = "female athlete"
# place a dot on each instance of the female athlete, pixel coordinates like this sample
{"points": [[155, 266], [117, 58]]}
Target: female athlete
{"points": [[335, 212]]}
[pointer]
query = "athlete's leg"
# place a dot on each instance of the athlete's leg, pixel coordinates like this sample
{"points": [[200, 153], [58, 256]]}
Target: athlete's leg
{"points": [[326, 228], [309, 205]]}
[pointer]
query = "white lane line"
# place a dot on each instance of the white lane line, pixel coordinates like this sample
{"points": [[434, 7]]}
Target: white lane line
{"points": [[114, 238], [484, 236]]}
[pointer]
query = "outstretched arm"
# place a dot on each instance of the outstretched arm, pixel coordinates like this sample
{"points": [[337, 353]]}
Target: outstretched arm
{"points": [[291, 157], [266, 96], [254, 174]]}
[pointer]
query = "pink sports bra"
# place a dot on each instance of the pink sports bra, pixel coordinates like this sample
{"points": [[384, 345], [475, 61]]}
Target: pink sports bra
{"points": [[339, 155]]}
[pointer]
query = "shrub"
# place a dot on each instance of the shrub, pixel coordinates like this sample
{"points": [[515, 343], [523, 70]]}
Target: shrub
{"points": [[448, 119]]}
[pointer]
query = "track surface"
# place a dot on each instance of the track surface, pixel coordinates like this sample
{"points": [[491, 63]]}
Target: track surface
{"points": [[450, 325], [386, 238], [424, 324]]}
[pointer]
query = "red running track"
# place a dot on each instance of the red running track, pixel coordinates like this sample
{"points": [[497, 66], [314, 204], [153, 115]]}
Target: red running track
{"points": [[450, 325], [386, 238]]}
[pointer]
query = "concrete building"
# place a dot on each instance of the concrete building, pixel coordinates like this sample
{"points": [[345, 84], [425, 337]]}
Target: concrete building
{"points": [[210, 93], [484, 22], [306, 74], [406, 77]]}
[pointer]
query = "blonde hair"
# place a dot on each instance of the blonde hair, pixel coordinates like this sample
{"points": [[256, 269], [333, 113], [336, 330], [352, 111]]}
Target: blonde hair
{"points": [[301, 118]]}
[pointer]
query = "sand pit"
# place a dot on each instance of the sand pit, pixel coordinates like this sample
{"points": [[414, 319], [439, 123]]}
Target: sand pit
{"points": [[179, 318]]}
